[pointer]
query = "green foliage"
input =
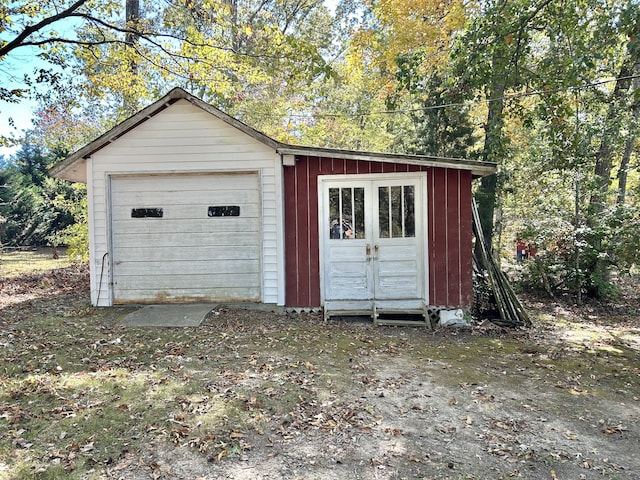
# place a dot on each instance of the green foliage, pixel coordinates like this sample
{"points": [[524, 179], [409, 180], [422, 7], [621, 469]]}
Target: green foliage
{"points": [[517, 82], [550, 122], [32, 207], [347, 113], [564, 262], [441, 119], [575, 248], [76, 235], [613, 243], [65, 122], [239, 56]]}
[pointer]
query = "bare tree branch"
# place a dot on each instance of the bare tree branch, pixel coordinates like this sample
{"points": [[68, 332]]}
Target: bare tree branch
{"points": [[148, 36], [86, 43], [31, 29]]}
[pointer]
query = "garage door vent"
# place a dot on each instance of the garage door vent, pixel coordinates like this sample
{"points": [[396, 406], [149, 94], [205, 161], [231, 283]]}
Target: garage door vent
{"points": [[147, 213], [224, 211]]}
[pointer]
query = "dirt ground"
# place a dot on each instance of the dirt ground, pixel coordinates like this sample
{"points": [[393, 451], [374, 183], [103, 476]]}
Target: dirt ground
{"points": [[429, 419], [558, 401]]}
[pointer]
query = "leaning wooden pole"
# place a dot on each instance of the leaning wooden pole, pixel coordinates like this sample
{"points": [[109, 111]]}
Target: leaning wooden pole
{"points": [[512, 312]]}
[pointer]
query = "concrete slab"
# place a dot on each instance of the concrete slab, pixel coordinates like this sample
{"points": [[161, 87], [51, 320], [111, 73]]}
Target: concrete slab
{"points": [[187, 315]]}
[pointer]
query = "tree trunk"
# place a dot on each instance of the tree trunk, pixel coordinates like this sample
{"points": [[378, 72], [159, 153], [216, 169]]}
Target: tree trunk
{"points": [[604, 155], [235, 30], [132, 16], [630, 143], [624, 164], [486, 193], [598, 271]]}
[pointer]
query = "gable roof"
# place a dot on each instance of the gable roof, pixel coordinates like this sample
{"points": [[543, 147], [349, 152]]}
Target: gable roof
{"points": [[74, 166]]}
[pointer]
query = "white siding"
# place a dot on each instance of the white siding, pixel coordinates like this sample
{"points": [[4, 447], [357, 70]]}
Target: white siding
{"points": [[183, 139]]}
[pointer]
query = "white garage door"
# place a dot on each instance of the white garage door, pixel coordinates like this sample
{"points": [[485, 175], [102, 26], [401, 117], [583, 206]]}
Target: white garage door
{"points": [[186, 238]]}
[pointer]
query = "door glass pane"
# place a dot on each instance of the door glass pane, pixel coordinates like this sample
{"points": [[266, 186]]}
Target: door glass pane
{"points": [[409, 212], [334, 213], [346, 213], [383, 211], [396, 212], [358, 213]]}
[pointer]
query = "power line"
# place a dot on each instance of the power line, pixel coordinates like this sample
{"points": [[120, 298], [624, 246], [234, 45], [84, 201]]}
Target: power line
{"points": [[455, 104]]}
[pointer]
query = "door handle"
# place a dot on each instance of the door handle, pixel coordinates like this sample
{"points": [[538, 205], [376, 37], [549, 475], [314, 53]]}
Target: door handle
{"points": [[367, 250], [375, 251]]}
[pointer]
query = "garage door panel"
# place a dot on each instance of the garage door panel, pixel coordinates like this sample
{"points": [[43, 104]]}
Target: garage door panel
{"points": [[190, 212], [187, 282], [187, 208], [241, 226], [244, 194], [197, 182], [203, 260], [182, 241], [174, 295], [243, 265], [185, 254]]}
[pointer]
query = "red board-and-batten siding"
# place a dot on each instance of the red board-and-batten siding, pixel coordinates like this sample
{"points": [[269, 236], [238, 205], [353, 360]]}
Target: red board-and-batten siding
{"points": [[449, 228]]}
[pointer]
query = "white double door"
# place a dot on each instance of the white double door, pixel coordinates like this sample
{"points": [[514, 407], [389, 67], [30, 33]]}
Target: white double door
{"points": [[372, 241]]}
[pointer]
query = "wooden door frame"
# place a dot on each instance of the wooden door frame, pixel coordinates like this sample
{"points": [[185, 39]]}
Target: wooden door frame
{"points": [[372, 177]]}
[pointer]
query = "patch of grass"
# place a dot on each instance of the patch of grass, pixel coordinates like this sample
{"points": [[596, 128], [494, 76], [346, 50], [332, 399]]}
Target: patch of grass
{"points": [[63, 421], [79, 393], [19, 262]]}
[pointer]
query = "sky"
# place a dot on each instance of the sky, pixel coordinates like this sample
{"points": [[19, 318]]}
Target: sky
{"points": [[12, 71], [13, 67], [21, 115], [23, 61]]}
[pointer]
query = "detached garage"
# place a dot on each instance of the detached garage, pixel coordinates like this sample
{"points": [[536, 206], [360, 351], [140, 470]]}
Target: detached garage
{"points": [[187, 204]]}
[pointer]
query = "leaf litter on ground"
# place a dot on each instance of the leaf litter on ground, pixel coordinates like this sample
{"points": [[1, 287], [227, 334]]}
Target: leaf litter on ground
{"points": [[291, 396]]}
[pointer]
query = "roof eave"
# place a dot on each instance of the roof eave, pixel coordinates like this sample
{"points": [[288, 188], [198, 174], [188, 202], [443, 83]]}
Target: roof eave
{"points": [[478, 169], [73, 168]]}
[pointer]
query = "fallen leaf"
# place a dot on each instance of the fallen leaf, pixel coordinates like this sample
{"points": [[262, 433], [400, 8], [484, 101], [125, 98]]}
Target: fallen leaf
{"points": [[446, 429], [612, 430], [88, 447], [123, 464], [570, 436], [393, 431]]}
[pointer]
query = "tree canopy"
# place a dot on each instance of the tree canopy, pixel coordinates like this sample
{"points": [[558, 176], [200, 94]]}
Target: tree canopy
{"points": [[548, 90]]}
